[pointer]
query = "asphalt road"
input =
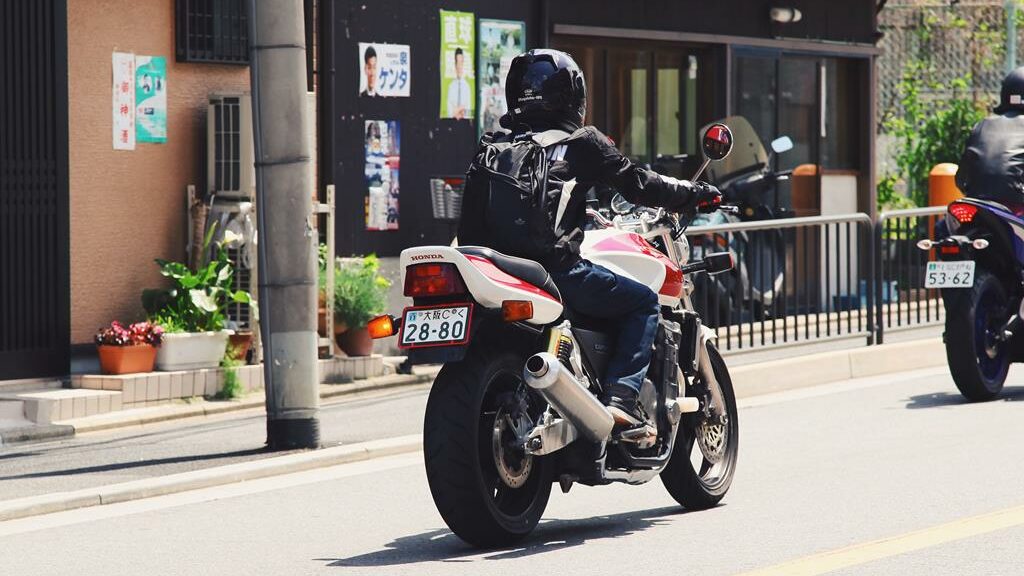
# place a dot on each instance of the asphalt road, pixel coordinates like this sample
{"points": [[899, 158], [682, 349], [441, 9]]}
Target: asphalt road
{"points": [[891, 475]]}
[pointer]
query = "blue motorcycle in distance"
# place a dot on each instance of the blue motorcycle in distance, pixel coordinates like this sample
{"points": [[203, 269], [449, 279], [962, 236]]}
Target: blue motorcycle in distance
{"points": [[979, 271]]}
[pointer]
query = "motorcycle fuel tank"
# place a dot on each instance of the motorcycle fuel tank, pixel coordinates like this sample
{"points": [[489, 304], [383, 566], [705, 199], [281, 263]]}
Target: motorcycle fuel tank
{"points": [[629, 254]]}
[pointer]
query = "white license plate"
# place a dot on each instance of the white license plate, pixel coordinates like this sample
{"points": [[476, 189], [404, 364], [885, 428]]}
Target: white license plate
{"points": [[959, 274], [435, 326]]}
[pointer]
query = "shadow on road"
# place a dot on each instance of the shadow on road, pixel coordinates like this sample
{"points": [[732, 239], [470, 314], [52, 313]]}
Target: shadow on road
{"points": [[938, 399], [135, 464], [443, 546]]}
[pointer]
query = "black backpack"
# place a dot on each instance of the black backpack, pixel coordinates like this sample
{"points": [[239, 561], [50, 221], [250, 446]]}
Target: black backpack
{"points": [[509, 202]]}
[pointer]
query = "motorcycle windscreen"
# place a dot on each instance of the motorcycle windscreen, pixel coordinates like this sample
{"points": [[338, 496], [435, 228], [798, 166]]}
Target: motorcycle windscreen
{"points": [[748, 153]]}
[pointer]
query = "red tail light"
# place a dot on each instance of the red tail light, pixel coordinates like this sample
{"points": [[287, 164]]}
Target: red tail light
{"points": [[433, 280], [963, 213]]}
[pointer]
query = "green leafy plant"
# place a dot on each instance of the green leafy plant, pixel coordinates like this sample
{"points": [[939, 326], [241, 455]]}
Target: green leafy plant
{"points": [[232, 385], [929, 132], [198, 299], [933, 116], [360, 292]]}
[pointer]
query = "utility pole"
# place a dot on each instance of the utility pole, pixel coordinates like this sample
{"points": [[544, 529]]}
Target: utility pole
{"points": [[284, 211], [1011, 35]]}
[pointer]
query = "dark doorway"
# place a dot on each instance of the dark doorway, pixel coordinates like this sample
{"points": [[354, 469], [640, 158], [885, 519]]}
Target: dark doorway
{"points": [[810, 98], [34, 252], [651, 98]]}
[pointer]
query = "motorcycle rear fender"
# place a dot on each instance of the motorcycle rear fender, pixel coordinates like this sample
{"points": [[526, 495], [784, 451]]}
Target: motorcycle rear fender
{"points": [[488, 286]]}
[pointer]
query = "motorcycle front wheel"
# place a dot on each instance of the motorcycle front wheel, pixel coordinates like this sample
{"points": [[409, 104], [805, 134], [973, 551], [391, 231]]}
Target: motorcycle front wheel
{"points": [[486, 488], [703, 461]]}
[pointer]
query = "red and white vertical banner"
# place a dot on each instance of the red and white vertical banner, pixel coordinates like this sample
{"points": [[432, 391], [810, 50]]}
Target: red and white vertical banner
{"points": [[124, 101]]}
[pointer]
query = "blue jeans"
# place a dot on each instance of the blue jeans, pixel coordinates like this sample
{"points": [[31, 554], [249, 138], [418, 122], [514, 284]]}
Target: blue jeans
{"points": [[596, 291]]}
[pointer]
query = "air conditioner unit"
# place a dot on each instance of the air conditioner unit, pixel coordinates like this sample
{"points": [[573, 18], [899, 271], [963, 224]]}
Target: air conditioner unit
{"points": [[230, 157]]}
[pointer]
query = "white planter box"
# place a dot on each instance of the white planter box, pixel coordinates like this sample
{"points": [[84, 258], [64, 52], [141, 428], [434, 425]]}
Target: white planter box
{"points": [[191, 350]]}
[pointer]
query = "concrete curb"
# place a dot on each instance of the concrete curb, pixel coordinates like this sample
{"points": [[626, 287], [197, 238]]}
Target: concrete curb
{"points": [[147, 488], [113, 420], [35, 433], [822, 368]]}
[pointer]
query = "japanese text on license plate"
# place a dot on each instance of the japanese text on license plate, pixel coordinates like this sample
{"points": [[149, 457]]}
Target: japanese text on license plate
{"points": [[959, 274], [435, 326]]}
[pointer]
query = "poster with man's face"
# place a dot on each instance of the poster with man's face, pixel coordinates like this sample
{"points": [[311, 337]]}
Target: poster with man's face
{"points": [[384, 70], [458, 79]]}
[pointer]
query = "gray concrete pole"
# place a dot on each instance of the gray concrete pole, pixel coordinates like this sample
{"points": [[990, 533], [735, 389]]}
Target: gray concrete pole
{"points": [[1011, 35], [287, 242]]}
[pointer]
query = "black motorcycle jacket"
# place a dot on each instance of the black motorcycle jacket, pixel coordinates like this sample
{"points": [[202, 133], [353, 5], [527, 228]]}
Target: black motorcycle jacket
{"points": [[590, 158], [992, 165]]}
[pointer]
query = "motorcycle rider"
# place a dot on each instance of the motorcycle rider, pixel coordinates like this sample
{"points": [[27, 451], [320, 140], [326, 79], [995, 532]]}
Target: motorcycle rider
{"points": [[545, 89], [992, 165]]}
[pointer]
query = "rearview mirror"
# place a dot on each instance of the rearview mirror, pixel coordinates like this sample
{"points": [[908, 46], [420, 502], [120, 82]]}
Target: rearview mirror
{"points": [[782, 144], [717, 142]]}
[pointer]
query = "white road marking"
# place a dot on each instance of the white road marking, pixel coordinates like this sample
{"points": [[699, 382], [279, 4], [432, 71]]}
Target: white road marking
{"points": [[233, 490]]}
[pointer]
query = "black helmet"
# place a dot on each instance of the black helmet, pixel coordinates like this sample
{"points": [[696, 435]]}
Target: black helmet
{"points": [[545, 86], [1011, 97]]}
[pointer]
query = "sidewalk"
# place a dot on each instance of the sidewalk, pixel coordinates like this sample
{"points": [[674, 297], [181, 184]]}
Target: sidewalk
{"points": [[171, 447]]}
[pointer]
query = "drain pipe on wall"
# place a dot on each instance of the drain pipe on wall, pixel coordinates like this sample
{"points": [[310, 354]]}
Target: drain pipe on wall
{"points": [[284, 210]]}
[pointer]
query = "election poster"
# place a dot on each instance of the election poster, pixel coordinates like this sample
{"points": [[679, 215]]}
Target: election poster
{"points": [[385, 70], [500, 42], [123, 101], [458, 39], [383, 145], [151, 99]]}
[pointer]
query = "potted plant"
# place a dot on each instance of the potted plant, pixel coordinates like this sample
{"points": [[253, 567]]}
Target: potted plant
{"points": [[192, 311], [360, 293], [128, 350]]}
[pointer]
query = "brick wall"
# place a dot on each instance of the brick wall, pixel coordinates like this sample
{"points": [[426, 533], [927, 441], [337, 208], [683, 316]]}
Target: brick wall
{"points": [[128, 207]]}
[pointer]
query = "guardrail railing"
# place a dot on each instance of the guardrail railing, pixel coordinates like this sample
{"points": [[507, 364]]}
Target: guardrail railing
{"points": [[902, 300], [818, 278], [795, 280]]}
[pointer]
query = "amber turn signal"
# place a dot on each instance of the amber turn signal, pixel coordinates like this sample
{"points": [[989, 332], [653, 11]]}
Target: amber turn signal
{"points": [[381, 327], [516, 310]]}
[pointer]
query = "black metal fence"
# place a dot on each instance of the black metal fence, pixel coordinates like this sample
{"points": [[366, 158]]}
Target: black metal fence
{"points": [[795, 280], [813, 279], [903, 302]]}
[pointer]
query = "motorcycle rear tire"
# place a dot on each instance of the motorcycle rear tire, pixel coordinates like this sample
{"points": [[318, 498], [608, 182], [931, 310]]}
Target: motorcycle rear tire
{"points": [[459, 460], [692, 488], [978, 379]]}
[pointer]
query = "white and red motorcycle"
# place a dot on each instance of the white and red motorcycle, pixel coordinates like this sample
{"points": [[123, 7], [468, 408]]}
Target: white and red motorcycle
{"points": [[515, 407]]}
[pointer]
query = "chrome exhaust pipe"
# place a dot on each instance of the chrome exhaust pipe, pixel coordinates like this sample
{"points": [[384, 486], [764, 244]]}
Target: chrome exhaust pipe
{"points": [[545, 374]]}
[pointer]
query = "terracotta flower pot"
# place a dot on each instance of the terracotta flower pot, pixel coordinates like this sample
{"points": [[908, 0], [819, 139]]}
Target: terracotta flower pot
{"points": [[126, 359], [238, 345], [356, 342]]}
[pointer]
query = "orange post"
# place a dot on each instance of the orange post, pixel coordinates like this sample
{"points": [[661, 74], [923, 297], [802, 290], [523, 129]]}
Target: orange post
{"points": [[942, 191], [942, 185]]}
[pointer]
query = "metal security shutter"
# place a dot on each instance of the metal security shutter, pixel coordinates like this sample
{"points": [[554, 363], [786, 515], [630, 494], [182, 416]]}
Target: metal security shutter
{"points": [[34, 267]]}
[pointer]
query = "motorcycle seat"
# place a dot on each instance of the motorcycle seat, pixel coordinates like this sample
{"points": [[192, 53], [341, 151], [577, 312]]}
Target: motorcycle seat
{"points": [[526, 270]]}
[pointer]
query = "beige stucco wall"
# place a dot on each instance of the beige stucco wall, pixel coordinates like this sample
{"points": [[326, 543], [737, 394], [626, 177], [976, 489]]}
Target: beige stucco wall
{"points": [[128, 207]]}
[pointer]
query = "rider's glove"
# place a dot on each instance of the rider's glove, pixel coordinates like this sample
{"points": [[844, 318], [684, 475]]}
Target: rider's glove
{"points": [[707, 198]]}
